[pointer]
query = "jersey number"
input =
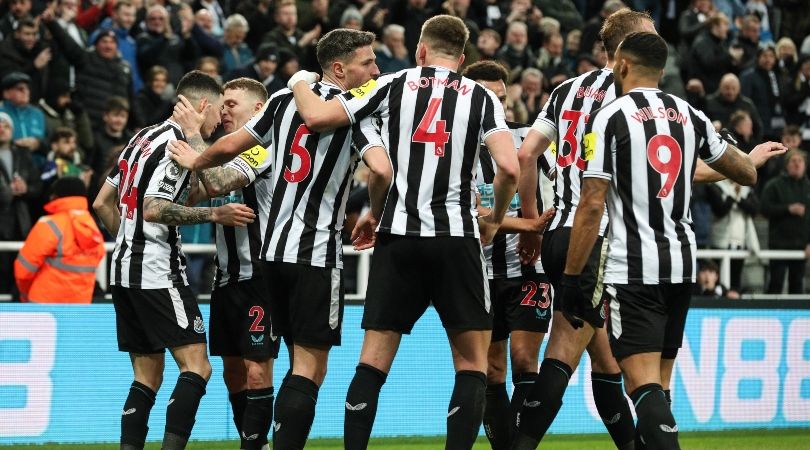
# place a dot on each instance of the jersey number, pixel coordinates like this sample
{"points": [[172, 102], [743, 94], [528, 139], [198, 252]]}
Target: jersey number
{"points": [[303, 154], [570, 138], [257, 311], [672, 167], [438, 137], [530, 287], [127, 193]]}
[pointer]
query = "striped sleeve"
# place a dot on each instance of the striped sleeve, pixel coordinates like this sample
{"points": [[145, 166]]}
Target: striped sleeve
{"points": [[544, 123], [167, 180], [494, 118], [597, 149], [114, 177], [366, 135], [367, 99], [713, 146]]}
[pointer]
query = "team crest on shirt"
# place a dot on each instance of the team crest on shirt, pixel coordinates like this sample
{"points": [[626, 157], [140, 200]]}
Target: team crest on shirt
{"points": [[589, 144], [364, 89], [173, 171], [199, 326], [254, 156]]}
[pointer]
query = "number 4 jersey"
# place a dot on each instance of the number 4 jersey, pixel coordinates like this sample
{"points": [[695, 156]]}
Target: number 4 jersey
{"points": [[646, 143], [310, 175], [147, 255]]}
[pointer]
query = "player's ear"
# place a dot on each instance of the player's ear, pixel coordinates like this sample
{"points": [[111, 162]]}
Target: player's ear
{"points": [[202, 105], [337, 69], [257, 107], [461, 60]]}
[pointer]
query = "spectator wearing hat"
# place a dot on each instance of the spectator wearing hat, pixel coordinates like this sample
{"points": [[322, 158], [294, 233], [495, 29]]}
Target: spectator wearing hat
{"points": [[158, 45], [104, 74], [25, 52], [29, 121], [57, 263], [264, 70], [121, 22], [763, 86], [392, 56], [288, 64], [63, 110], [19, 184], [237, 53]]}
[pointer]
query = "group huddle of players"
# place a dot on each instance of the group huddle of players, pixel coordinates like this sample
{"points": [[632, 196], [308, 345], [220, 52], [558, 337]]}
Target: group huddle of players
{"points": [[456, 221]]}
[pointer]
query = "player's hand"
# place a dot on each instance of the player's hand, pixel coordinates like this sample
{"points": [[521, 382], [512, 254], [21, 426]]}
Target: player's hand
{"points": [[232, 215], [305, 76], [765, 151], [364, 234], [187, 117], [545, 219], [571, 301], [183, 154], [487, 228], [528, 247]]}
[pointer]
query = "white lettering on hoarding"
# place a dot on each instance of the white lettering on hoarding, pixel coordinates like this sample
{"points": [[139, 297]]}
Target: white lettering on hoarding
{"points": [[39, 329]]}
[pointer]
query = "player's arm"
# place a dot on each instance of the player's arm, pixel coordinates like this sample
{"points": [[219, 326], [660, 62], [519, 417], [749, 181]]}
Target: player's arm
{"points": [[106, 207], [217, 180], [758, 156], [586, 223], [530, 151], [160, 210], [379, 180], [501, 147], [522, 225], [220, 152], [318, 114]]}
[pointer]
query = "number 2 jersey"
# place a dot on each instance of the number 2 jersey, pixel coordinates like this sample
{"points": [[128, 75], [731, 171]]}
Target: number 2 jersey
{"points": [[147, 255], [309, 174], [646, 143], [502, 258], [433, 121]]}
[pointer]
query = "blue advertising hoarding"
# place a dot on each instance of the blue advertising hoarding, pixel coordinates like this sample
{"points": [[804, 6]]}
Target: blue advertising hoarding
{"points": [[63, 380]]}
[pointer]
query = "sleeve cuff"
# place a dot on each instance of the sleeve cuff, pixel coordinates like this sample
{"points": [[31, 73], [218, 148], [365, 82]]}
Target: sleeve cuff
{"points": [[162, 195], [597, 174], [349, 113], [717, 156], [494, 130], [243, 167], [546, 128], [111, 182]]}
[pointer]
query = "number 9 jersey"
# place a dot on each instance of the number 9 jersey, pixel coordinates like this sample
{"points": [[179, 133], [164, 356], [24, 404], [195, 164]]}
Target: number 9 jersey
{"points": [[646, 144]]}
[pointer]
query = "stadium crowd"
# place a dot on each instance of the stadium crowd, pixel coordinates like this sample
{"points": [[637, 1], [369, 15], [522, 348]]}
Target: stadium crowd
{"points": [[80, 77]]}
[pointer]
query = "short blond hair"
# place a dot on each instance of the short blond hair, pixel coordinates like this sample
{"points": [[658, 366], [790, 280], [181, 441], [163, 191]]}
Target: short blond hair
{"points": [[446, 35]]}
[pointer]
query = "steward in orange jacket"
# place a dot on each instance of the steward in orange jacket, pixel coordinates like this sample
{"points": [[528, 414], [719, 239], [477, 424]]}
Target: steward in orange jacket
{"points": [[58, 261]]}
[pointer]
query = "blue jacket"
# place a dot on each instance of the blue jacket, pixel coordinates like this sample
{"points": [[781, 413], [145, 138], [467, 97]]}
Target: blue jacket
{"points": [[127, 48], [230, 61], [29, 121]]}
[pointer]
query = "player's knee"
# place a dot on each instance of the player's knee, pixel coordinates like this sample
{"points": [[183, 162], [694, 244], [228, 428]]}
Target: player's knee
{"points": [[524, 360], [201, 368], [258, 375], [604, 364], [496, 372]]}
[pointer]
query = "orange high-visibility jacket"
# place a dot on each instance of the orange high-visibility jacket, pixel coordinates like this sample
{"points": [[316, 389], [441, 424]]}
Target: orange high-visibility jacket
{"points": [[58, 262]]}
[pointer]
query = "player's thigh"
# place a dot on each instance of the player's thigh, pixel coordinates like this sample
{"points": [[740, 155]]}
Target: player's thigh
{"points": [[469, 349], [310, 362], [457, 279], [241, 322], [396, 296], [638, 319], [148, 368], [192, 358], [678, 298], [314, 304], [379, 348]]}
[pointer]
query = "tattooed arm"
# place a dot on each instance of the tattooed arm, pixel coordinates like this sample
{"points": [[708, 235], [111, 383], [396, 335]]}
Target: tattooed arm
{"points": [[217, 180], [164, 211]]}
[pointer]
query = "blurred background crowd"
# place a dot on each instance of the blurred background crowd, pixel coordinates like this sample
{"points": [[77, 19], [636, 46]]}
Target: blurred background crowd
{"points": [[79, 77]]}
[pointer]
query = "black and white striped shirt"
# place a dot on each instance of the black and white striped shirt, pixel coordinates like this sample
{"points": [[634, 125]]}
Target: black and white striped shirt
{"points": [[647, 143], [238, 247], [310, 180], [147, 255], [433, 121], [502, 258], [562, 119]]}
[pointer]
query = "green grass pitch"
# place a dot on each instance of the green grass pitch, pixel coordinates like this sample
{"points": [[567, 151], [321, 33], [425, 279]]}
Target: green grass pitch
{"points": [[794, 439]]}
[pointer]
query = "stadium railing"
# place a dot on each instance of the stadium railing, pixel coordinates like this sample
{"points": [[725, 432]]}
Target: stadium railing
{"points": [[364, 262]]}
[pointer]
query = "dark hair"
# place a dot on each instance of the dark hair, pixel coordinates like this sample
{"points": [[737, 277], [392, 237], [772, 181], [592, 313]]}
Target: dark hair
{"points": [[445, 34], [618, 25], [737, 117], [709, 265], [647, 49], [115, 104], [62, 133], [791, 130], [121, 3], [68, 187], [250, 85], [28, 23], [487, 71], [340, 44], [195, 85]]}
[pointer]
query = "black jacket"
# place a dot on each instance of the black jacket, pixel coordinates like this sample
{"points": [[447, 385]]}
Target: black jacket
{"points": [[15, 215], [99, 80]]}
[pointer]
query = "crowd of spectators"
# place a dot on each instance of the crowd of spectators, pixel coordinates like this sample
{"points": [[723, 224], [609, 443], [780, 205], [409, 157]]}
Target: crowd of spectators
{"points": [[78, 77]]}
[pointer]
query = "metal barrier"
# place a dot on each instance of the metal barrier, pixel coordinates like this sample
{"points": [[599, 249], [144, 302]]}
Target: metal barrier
{"points": [[364, 261]]}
